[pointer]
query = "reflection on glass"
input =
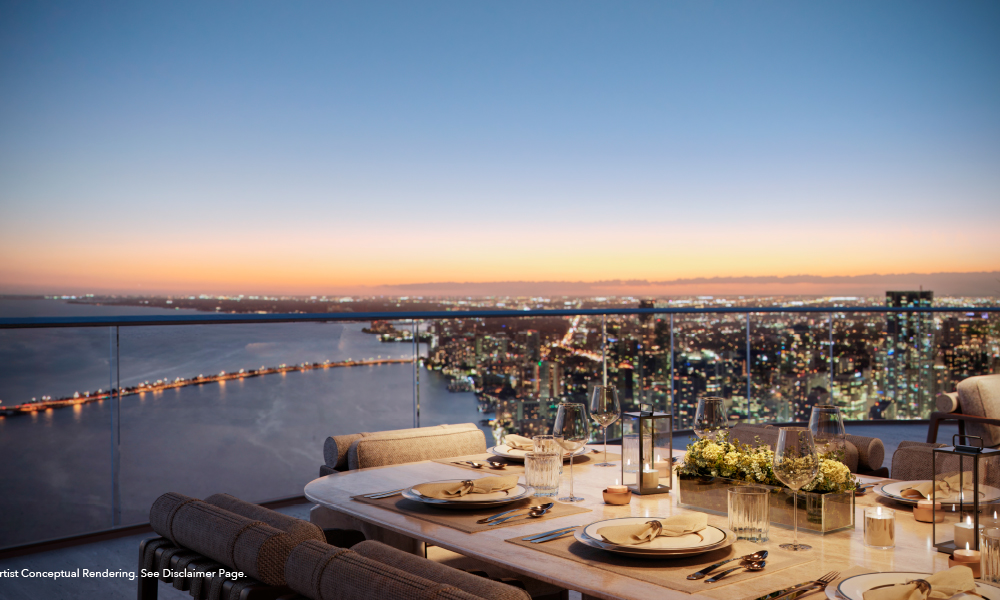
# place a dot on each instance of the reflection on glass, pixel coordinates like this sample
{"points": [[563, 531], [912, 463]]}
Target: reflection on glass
{"points": [[795, 464], [605, 410], [827, 427], [571, 423], [710, 418]]}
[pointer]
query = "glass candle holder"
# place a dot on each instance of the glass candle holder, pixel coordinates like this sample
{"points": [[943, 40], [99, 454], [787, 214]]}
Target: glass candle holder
{"points": [[989, 547], [750, 513], [630, 451], [880, 528]]}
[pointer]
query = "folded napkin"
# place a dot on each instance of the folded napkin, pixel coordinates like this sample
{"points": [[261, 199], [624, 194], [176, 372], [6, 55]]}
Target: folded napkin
{"points": [[518, 442], [943, 585], [629, 535], [456, 489], [944, 487]]}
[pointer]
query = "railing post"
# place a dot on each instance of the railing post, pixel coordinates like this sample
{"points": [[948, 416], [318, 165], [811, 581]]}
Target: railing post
{"points": [[673, 399], [416, 374], [830, 360], [748, 367], [114, 395]]}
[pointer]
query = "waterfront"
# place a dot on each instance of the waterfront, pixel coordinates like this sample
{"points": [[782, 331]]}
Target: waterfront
{"points": [[258, 438]]}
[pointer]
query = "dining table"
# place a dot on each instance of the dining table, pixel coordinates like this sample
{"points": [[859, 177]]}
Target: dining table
{"points": [[843, 551]]}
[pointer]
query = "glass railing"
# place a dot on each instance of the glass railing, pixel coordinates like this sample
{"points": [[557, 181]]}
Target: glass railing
{"points": [[103, 414]]}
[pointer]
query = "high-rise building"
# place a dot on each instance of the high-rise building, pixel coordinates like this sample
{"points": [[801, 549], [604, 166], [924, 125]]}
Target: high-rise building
{"points": [[909, 356], [549, 380]]}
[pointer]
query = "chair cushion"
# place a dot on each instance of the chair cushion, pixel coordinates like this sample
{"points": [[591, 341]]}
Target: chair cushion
{"points": [[871, 452], [379, 452], [438, 573], [947, 402], [336, 447], [243, 544], [980, 396], [323, 572], [297, 529], [913, 461]]}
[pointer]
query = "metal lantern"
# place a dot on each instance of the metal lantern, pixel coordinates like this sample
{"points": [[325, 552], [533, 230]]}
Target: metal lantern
{"points": [[647, 450], [965, 493]]}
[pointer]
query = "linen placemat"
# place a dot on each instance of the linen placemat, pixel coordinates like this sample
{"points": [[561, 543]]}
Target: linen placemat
{"points": [[672, 573], [799, 574], [465, 519], [514, 466]]}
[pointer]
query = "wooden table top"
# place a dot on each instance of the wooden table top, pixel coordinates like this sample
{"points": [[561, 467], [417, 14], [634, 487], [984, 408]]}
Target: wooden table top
{"points": [[838, 551]]}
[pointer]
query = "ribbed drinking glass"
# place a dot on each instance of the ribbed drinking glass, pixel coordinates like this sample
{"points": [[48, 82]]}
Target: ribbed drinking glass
{"points": [[750, 513]]}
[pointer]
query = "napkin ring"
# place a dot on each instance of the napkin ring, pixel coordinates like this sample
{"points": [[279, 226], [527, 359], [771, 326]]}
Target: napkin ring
{"points": [[657, 527]]}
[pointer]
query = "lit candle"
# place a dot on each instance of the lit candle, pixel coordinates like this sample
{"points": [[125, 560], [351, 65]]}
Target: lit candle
{"points": [[927, 511], [663, 467], [880, 528], [617, 489], [650, 477], [968, 558], [965, 534]]}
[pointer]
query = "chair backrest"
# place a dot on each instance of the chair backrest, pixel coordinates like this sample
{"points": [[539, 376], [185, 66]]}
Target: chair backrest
{"points": [[323, 572], [980, 397], [382, 451], [297, 529], [336, 448], [240, 543], [439, 573]]}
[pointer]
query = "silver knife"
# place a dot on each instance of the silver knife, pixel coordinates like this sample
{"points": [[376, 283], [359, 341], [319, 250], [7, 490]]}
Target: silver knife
{"points": [[549, 538], [548, 533]]}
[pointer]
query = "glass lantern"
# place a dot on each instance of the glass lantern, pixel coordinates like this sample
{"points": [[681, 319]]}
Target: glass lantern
{"points": [[647, 450], [966, 489]]}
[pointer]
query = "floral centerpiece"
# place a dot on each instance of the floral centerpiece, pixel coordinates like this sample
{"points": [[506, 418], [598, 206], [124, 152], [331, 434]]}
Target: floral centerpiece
{"points": [[755, 464], [711, 467]]}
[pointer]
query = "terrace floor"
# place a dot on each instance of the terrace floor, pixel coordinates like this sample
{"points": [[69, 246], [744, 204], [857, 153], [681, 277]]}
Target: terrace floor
{"points": [[122, 554]]}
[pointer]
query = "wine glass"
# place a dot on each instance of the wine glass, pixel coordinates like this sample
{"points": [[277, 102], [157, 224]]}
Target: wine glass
{"points": [[710, 418], [795, 464], [571, 423], [827, 427], [605, 410]]}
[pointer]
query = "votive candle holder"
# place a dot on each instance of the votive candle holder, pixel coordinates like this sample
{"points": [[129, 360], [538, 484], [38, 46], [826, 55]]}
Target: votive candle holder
{"points": [[880, 528]]}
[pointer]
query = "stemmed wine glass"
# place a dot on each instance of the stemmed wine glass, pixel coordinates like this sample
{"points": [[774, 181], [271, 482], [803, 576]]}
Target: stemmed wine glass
{"points": [[605, 410], [827, 427], [795, 464], [710, 418], [571, 423]]}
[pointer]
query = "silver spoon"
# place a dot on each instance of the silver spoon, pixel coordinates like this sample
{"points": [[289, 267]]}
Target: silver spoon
{"points": [[474, 465], [756, 556], [753, 566], [495, 464], [534, 512]]}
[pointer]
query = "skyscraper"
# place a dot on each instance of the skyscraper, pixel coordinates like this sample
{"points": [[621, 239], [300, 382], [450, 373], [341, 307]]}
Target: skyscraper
{"points": [[908, 355]]}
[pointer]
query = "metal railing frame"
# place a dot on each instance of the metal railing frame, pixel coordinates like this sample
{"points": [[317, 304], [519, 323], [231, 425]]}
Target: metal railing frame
{"points": [[114, 323]]}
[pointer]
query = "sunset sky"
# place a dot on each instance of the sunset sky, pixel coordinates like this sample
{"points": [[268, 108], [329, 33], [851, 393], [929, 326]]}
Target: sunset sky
{"points": [[274, 147]]}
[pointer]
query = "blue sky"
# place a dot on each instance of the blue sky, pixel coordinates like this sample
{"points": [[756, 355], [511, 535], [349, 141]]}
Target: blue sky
{"points": [[503, 140]]}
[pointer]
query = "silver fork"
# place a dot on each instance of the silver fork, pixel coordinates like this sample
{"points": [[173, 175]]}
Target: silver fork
{"points": [[792, 593]]}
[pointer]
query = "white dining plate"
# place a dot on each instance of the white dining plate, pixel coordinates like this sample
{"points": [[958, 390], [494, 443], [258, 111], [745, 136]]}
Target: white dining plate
{"points": [[709, 536], [895, 489], [639, 552], [518, 455], [518, 492], [854, 588]]}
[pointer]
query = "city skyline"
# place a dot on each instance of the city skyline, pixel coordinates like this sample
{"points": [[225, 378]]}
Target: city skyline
{"points": [[312, 148]]}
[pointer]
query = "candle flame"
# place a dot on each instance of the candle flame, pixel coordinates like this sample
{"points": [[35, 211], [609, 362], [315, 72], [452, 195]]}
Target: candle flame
{"points": [[968, 521], [616, 481], [878, 511], [966, 546]]}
